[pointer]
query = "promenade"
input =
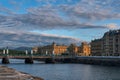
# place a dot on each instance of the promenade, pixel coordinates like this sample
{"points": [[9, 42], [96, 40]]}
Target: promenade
{"points": [[11, 74]]}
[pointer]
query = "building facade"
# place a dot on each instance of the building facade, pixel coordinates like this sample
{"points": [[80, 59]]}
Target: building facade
{"points": [[109, 46], [85, 49], [72, 49], [35, 49], [53, 49], [82, 50], [96, 47], [111, 43]]}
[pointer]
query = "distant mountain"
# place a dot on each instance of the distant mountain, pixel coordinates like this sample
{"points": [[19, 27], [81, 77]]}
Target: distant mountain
{"points": [[23, 48]]}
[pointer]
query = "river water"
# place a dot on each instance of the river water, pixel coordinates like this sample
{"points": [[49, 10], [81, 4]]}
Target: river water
{"points": [[67, 71]]}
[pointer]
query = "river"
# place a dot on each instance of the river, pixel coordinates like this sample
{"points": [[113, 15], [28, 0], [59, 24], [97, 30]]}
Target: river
{"points": [[67, 71]]}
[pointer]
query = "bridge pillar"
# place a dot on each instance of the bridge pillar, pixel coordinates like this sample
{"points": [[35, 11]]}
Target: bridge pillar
{"points": [[50, 60], [5, 60], [29, 60]]}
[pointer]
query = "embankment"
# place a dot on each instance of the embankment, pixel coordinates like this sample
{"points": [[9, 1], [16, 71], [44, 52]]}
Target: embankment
{"points": [[12, 74]]}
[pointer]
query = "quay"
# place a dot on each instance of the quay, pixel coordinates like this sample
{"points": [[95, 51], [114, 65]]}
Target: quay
{"points": [[98, 60], [11, 74]]}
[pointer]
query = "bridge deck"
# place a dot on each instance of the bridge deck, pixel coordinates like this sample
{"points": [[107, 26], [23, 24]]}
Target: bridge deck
{"points": [[35, 57], [74, 57]]}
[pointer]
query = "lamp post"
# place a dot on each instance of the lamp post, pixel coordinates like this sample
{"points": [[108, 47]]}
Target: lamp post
{"points": [[7, 51], [31, 52], [53, 53], [3, 51], [26, 52], [46, 53]]}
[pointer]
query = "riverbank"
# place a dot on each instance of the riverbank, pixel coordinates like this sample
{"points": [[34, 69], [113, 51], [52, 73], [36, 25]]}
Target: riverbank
{"points": [[99, 60], [92, 60], [12, 74]]}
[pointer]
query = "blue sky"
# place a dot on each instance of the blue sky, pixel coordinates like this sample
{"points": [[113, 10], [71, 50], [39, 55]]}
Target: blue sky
{"points": [[62, 21]]}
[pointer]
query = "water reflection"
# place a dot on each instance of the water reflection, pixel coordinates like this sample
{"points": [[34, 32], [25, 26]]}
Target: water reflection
{"points": [[20, 61]]}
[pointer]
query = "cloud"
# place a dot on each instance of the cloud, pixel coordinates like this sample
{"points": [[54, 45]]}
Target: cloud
{"points": [[5, 11], [112, 26], [62, 16], [32, 39], [15, 27], [93, 9], [41, 19]]}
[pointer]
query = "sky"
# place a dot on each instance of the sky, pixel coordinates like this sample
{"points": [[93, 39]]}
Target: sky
{"points": [[40, 22]]}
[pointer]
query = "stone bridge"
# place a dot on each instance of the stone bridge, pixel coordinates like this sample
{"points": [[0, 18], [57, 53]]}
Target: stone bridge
{"points": [[95, 60], [30, 59]]}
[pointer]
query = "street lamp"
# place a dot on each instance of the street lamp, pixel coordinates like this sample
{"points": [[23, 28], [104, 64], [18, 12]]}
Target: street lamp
{"points": [[46, 52], [31, 52], [7, 51], [53, 53], [3, 51], [26, 52]]}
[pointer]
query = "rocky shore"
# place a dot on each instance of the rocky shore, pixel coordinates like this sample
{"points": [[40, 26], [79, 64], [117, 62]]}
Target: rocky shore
{"points": [[11, 74]]}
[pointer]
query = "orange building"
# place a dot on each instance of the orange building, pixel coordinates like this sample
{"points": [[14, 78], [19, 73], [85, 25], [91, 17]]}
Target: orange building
{"points": [[73, 49], [85, 49], [82, 50], [35, 49], [53, 49]]}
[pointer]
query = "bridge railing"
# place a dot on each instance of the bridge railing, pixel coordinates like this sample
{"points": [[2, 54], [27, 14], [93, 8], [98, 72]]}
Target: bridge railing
{"points": [[30, 54]]}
